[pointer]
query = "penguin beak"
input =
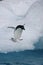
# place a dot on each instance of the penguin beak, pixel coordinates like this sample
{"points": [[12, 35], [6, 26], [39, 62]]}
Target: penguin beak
{"points": [[24, 28]]}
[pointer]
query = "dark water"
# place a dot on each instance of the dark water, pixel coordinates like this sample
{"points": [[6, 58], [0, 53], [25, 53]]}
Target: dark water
{"points": [[28, 57]]}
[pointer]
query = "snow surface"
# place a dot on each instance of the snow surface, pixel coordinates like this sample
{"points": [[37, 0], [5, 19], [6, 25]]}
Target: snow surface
{"points": [[14, 12]]}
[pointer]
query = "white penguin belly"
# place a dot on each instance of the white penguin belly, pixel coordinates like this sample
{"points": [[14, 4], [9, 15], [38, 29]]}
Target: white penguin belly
{"points": [[17, 34]]}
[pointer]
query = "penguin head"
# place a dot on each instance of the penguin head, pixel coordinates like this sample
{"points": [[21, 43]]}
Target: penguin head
{"points": [[20, 26]]}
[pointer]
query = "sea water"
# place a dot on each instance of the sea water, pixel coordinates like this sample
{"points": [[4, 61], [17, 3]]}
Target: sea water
{"points": [[27, 57]]}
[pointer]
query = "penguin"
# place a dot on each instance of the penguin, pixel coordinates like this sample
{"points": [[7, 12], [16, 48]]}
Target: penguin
{"points": [[17, 32]]}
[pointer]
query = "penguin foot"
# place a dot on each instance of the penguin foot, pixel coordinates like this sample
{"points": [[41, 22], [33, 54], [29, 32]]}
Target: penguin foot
{"points": [[13, 40], [20, 39]]}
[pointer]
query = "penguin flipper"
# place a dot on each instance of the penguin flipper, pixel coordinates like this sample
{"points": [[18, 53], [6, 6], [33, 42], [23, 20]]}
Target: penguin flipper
{"points": [[11, 27]]}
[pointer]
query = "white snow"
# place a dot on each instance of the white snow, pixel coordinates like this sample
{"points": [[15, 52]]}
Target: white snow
{"points": [[14, 12]]}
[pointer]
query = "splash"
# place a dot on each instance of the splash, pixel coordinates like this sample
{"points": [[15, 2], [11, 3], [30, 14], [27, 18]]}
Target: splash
{"points": [[33, 21]]}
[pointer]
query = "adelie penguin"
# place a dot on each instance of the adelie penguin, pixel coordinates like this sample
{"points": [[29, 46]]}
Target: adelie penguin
{"points": [[17, 32]]}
